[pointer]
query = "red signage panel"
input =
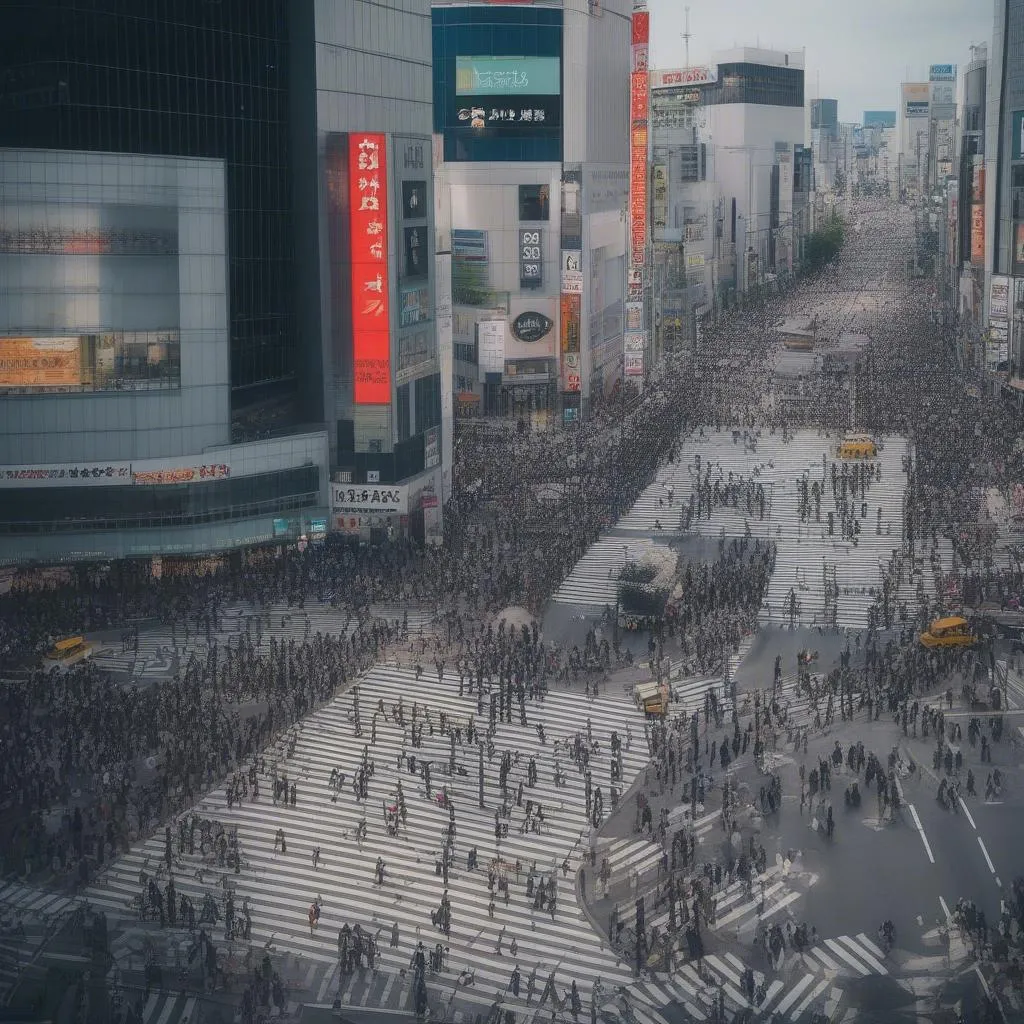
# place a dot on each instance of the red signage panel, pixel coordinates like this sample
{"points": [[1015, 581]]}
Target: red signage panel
{"points": [[641, 27], [371, 317]]}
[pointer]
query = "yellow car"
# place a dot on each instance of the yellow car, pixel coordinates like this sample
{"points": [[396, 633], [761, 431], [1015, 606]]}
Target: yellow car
{"points": [[952, 631], [857, 446]]}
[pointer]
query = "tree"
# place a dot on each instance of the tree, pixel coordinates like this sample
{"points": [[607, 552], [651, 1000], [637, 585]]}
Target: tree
{"points": [[823, 245]]}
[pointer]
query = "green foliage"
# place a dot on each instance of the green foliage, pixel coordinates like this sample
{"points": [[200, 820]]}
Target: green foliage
{"points": [[824, 244], [637, 592]]}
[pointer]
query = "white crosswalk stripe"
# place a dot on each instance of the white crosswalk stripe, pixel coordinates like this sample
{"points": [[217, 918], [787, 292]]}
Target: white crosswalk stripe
{"points": [[280, 887]]}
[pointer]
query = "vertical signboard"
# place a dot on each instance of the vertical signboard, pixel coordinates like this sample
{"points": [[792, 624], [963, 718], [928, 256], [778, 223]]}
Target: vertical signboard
{"points": [[531, 262], [639, 103], [978, 211], [371, 320], [998, 321], [491, 353], [570, 335]]}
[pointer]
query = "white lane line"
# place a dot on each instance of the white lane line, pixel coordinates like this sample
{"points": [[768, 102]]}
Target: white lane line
{"points": [[984, 983], [988, 859], [968, 813], [945, 909], [920, 828]]}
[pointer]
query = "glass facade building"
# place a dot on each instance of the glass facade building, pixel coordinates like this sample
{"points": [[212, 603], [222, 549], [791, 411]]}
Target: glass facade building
{"points": [[185, 78], [493, 107], [756, 83]]}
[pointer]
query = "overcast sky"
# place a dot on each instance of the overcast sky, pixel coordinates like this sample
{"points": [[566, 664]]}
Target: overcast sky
{"points": [[859, 50]]}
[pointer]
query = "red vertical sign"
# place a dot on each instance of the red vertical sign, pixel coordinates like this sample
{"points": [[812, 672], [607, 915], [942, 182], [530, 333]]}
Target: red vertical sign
{"points": [[371, 320]]}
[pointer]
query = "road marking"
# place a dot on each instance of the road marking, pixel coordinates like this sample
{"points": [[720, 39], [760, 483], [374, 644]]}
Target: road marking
{"points": [[815, 992], [988, 859], [794, 993], [968, 813], [920, 828], [945, 909], [984, 983]]}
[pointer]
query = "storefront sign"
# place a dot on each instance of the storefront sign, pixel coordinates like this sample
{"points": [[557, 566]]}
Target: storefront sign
{"points": [[572, 381], [634, 316], [415, 306], [371, 322], [572, 272], [145, 473], [634, 364], [531, 326], [507, 76], [347, 500]]}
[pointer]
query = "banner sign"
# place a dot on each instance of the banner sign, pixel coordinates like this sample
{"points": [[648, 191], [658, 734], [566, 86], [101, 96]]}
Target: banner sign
{"points": [[634, 341], [978, 233], [683, 76], [431, 447], [349, 500], [491, 355], [570, 325], [144, 473], [638, 196], [508, 76], [371, 324], [572, 272], [530, 326]]}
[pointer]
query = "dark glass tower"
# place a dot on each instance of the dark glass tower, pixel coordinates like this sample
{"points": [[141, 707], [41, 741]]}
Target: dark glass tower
{"points": [[196, 78]]}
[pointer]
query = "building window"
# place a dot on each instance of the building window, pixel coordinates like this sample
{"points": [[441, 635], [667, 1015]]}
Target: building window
{"points": [[36, 510], [534, 202], [428, 402]]}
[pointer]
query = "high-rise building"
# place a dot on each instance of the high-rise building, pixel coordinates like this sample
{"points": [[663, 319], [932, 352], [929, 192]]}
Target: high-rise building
{"points": [[531, 118], [1004, 187], [913, 134], [364, 223], [825, 116], [183, 306]]}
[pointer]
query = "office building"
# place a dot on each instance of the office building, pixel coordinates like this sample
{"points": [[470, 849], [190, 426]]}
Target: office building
{"points": [[732, 180], [182, 361], [913, 135], [364, 237], [1004, 190], [825, 116], [531, 108]]}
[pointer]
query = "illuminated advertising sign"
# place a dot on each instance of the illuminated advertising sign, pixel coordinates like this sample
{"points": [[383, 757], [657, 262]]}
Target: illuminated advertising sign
{"points": [[508, 76], [683, 76], [916, 96], [638, 196], [1018, 249], [40, 362], [371, 320], [942, 73], [978, 233], [570, 323]]}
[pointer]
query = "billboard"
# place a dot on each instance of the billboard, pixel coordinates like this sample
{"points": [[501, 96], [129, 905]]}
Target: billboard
{"points": [[879, 118], [531, 258], [508, 76], [500, 92], [144, 473], [369, 500], [638, 195], [942, 73], [978, 233], [40, 362], [371, 318], [668, 77], [915, 99]]}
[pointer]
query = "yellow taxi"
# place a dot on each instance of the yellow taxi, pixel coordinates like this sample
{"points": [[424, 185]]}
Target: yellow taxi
{"points": [[952, 631]]}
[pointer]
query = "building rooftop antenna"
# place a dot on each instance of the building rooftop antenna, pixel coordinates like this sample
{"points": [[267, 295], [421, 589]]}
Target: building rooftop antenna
{"points": [[686, 35]]}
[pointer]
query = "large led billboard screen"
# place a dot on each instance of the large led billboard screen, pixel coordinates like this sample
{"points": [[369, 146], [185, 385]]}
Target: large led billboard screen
{"points": [[371, 318]]}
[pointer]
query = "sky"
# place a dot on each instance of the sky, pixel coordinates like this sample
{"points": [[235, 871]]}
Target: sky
{"points": [[856, 51]]}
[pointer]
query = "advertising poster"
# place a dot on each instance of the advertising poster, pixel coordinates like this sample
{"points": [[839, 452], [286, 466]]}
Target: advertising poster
{"points": [[40, 362], [371, 319], [570, 323], [572, 272], [491, 336], [978, 233], [634, 364]]}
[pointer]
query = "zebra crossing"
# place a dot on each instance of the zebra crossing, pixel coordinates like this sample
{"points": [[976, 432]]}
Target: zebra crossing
{"points": [[806, 553], [281, 886]]}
